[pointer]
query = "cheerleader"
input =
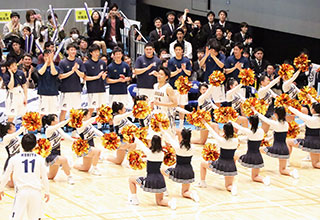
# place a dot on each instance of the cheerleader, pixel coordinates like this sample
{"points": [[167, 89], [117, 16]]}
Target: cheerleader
{"points": [[267, 95], [146, 121], [311, 142], [53, 133], [279, 149], [11, 142], [154, 181], [253, 159], [87, 132], [120, 120], [183, 171], [234, 99], [225, 164]]}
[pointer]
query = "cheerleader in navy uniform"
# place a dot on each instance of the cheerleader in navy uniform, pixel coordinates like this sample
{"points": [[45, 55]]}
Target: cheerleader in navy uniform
{"points": [[120, 120], [87, 132], [183, 171], [53, 134], [253, 159], [225, 164], [311, 142], [154, 181], [11, 142], [268, 96], [279, 149]]}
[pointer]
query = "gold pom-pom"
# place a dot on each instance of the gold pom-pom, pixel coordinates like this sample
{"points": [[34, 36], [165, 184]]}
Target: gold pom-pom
{"points": [[183, 85], [159, 119], [196, 117], [104, 114], [31, 121], [282, 100], [141, 110], [293, 130], [110, 141], [247, 77], [224, 114], [286, 71], [264, 142], [303, 95], [43, 147], [135, 159], [295, 104], [76, 117], [301, 62], [246, 106], [141, 134], [169, 155], [216, 78], [80, 147], [128, 132], [210, 152]]}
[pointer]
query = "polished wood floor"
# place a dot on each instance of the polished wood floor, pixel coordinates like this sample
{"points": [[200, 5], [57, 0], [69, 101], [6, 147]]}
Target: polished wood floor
{"points": [[105, 197]]}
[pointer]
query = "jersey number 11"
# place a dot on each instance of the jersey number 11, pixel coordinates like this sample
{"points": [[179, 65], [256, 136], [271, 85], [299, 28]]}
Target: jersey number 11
{"points": [[26, 165]]}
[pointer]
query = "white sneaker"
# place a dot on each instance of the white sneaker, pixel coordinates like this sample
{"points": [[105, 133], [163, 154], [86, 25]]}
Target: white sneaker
{"points": [[133, 200], [201, 184], [307, 158], [234, 190], [294, 173], [95, 171], [266, 180], [194, 196], [173, 204], [70, 180], [74, 134]]}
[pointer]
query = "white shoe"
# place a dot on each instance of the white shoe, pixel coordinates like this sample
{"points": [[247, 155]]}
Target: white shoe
{"points": [[74, 134], [201, 184], [234, 190], [95, 171], [173, 204], [266, 180], [133, 200], [307, 158], [294, 173], [70, 180], [194, 196]]}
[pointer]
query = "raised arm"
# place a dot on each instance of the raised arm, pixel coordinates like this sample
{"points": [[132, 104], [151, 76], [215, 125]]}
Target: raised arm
{"points": [[262, 92], [247, 131], [15, 134], [233, 91], [57, 126], [215, 134], [118, 118], [266, 120], [301, 115], [287, 84], [170, 139], [89, 121], [97, 132], [142, 146], [65, 135], [206, 95]]}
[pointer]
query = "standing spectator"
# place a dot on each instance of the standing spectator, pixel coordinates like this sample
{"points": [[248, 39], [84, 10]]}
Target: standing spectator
{"points": [[158, 37], [223, 23], [114, 23], [13, 27], [258, 64], [199, 39], [95, 31], [51, 28], [83, 48], [271, 74], [209, 28], [74, 38], [145, 67], [48, 85], [197, 70], [30, 72], [29, 41], [49, 46], [236, 62], [220, 37], [43, 38], [33, 20], [95, 77], [16, 52], [242, 36], [170, 27], [187, 47]]}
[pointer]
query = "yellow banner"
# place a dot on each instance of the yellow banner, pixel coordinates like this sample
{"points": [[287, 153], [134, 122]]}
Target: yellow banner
{"points": [[5, 16], [81, 14]]}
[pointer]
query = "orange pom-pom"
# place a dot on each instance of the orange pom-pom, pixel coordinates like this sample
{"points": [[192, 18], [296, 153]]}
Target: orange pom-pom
{"points": [[183, 85], [141, 134], [136, 159], [264, 142], [169, 155], [31, 121], [43, 147], [110, 141], [286, 71], [104, 114], [210, 152], [196, 117], [301, 62], [159, 119], [76, 117], [80, 147], [141, 110], [303, 95], [128, 133], [246, 106], [295, 104], [293, 130], [216, 78], [247, 77], [224, 114], [282, 100]]}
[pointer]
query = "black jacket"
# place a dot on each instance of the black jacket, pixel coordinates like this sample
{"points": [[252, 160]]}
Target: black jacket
{"points": [[119, 25]]}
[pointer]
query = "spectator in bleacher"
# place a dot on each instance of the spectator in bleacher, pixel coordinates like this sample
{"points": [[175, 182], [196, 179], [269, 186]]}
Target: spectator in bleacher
{"points": [[179, 65], [198, 40], [83, 47], [104, 57], [95, 31], [28, 41], [209, 28], [51, 28], [73, 38], [220, 37], [236, 62], [223, 23], [29, 71], [187, 47], [13, 27], [114, 23], [170, 27], [163, 54], [271, 74], [16, 52], [230, 44], [258, 64], [242, 36], [159, 37], [33, 20], [145, 70], [43, 38], [49, 46], [197, 70]]}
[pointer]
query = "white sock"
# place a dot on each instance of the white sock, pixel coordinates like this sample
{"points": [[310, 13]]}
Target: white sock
{"points": [[134, 196], [203, 182]]}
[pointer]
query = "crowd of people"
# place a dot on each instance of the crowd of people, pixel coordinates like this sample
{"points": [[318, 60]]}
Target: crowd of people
{"points": [[186, 49]]}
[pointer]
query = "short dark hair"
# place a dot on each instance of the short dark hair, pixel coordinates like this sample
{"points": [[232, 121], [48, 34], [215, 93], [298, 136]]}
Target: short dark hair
{"points": [[14, 14], [74, 30], [258, 49], [50, 16], [27, 28], [117, 49], [157, 18], [46, 51], [27, 55], [219, 28], [223, 11], [213, 44], [114, 5], [170, 13], [149, 44], [178, 45], [93, 47], [72, 45], [15, 40], [239, 45], [48, 44], [165, 70], [179, 30], [28, 142], [116, 107], [10, 61], [83, 39], [243, 24], [211, 13], [201, 50]]}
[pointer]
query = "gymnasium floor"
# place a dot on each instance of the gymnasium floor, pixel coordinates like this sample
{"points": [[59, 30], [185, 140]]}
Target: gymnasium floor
{"points": [[105, 197]]}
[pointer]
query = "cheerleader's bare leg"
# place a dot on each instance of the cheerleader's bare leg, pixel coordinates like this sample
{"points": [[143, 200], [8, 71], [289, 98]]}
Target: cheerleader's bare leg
{"points": [[133, 185], [315, 160], [121, 153], [202, 139], [228, 182], [255, 175], [185, 190], [53, 170], [87, 162], [160, 200], [203, 170], [283, 167], [96, 156]]}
